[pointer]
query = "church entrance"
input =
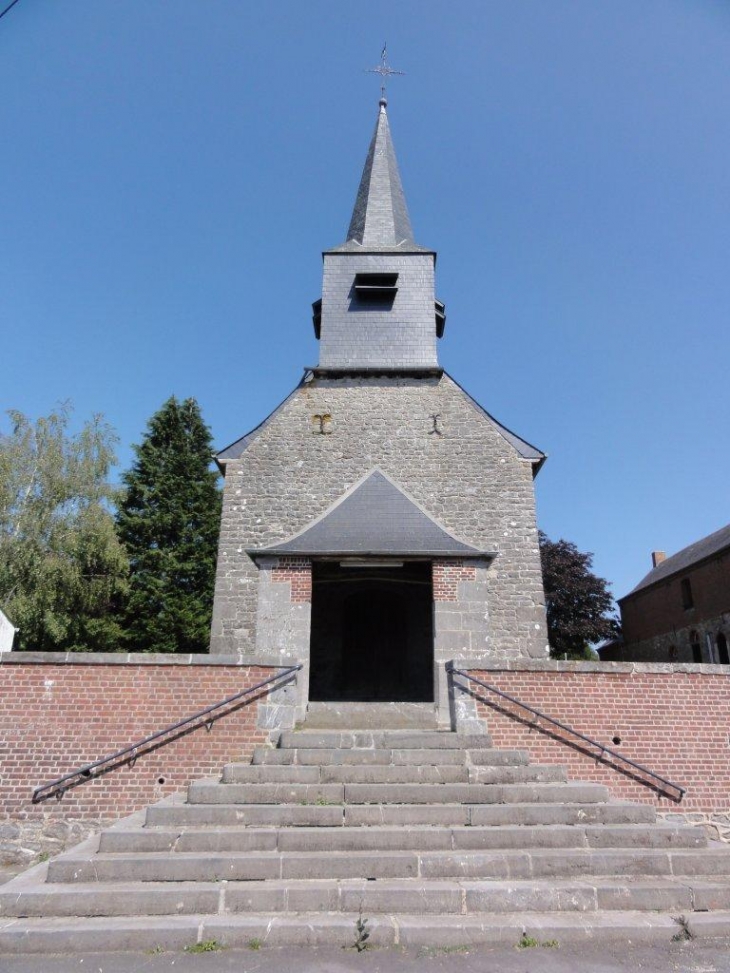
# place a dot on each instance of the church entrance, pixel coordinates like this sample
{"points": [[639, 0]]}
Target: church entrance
{"points": [[372, 632]]}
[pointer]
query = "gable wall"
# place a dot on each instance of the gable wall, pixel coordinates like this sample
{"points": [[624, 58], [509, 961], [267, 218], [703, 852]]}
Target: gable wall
{"points": [[659, 609], [469, 478]]}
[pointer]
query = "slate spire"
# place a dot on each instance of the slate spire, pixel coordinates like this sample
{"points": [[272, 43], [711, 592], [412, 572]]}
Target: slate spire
{"points": [[380, 217], [378, 308]]}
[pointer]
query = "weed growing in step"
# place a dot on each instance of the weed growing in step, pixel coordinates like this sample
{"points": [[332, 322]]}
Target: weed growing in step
{"points": [[362, 934], [42, 856], [155, 951], [207, 946], [255, 943], [683, 933], [529, 942]]}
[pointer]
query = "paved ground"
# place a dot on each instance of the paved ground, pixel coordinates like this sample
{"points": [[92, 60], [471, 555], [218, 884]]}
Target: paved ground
{"points": [[684, 957]]}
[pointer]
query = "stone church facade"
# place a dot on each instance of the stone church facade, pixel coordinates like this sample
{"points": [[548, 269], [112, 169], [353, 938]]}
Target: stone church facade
{"points": [[379, 523]]}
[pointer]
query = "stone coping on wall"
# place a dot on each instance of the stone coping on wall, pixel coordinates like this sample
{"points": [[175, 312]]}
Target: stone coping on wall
{"points": [[567, 665], [135, 659], [474, 665]]}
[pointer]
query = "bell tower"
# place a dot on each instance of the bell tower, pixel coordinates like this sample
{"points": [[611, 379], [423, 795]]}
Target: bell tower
{"points": [[378, 311]]}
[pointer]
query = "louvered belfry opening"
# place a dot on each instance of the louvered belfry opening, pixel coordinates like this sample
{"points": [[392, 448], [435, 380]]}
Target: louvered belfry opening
{"points": [[371, 632]]}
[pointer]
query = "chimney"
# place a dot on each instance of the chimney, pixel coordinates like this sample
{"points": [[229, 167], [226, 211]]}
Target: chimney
{"points": [[657, 557]]}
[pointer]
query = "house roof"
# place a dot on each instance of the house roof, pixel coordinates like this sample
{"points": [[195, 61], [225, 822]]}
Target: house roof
{"points": [[375, 517], [686, 558]]}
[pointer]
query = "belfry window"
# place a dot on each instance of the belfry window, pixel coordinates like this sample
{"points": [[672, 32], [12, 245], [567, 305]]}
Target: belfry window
{"points": [[317, 318], [376, 288], [440, 309]]}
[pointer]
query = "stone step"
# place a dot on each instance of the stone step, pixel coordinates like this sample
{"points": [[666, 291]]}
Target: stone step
{"points": [[429, 774], [337, 816], [117, 899], [385, 757], [245, 773], [535, 863], [371, 716], [213, 792], [406, 896], [76, 935], [115, 841], [389, 739]]}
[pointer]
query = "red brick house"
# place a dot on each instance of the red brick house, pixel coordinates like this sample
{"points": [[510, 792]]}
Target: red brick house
{"points": [[680, 612]]}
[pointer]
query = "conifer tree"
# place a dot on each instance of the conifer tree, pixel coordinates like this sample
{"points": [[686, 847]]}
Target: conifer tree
{"points": [[168, 521]]}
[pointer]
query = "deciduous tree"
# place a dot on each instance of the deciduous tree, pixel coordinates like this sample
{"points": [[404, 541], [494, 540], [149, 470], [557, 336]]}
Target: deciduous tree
{"points": [[63, 572], [168, 521], [580, 607]]}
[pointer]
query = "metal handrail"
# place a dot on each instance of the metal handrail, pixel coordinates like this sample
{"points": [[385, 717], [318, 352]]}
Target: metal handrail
{"points": [[569, 729], [86, 772]]}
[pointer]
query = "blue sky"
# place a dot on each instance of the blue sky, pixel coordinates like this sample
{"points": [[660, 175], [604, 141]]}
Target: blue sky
{"points": [[171, 171]]}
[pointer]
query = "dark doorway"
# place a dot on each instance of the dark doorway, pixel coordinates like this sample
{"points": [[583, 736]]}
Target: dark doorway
{"points": [[722, 652], [372, 633]]}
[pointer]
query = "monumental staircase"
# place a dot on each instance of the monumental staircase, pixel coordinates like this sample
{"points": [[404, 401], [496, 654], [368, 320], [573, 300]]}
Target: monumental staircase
{"points": [[376, 837]]}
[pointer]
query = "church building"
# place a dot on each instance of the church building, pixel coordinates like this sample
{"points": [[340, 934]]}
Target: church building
{"points": [[380, 522]]}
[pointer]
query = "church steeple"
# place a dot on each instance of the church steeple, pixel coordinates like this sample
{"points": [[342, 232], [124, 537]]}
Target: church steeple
{"points": [[378, 310], [380, 217]]}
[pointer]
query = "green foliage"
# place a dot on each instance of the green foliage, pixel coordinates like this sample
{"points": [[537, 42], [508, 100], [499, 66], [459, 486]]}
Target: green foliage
{"points": [[529, 942], [63, 572], [168, 521], [206, 946], [579, 604], [362, 934]]}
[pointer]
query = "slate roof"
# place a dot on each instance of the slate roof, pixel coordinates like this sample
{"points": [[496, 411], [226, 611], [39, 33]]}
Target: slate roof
{"points": [[239, 446], [525, 449], [686, 558], [380, 220], [375, 517]]}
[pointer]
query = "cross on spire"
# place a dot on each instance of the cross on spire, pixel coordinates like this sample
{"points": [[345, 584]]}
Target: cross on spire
{"points": [[385, 71]]}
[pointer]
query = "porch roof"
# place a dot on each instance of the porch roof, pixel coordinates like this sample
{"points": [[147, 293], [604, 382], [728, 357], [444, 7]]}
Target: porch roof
{"points": [[375, 517]]}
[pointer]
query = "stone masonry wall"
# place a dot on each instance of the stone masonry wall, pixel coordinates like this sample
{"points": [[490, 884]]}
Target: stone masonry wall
{"points": [[674, 720], [61, 712], [466, 475], [676, 646]]}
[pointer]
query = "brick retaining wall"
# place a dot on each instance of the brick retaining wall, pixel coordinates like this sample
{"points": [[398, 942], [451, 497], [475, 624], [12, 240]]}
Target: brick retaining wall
{"points": [[57, 715], [675, 720]]}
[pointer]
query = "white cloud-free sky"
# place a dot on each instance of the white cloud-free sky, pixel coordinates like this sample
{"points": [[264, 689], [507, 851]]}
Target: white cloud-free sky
{"points": [[171, 171]]}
